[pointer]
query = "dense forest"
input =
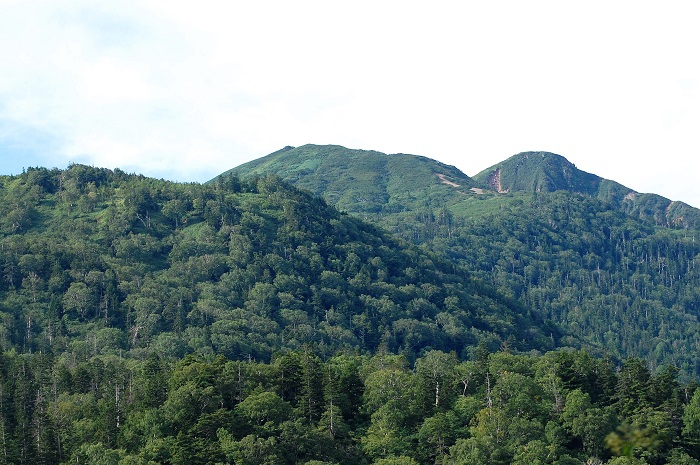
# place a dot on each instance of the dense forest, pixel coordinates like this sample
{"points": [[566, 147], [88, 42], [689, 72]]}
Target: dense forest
{"points": [[564, 407], [96, 262], [245, 321], [615, 268], [623, 286]]}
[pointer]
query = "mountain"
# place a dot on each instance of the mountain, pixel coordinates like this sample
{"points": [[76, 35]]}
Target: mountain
{"points": [[362, 181], [247, 321], [145, 321], [616, 268], [547, 172]]}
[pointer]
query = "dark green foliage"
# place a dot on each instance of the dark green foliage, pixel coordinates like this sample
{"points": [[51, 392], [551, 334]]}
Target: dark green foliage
{"points": [[618, 284]]}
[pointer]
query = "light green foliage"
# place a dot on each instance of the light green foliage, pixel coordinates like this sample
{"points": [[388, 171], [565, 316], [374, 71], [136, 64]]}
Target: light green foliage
{"points": [[401, 460], [436, 370], [265, 410], [590, 424], [631, 442], [384, 436], [691, 420], [437, 434], [347, 409], [533, 453], [678, 457], [98, 454]]}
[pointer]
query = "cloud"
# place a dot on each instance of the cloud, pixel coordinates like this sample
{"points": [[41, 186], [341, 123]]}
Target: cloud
{"points": [[185, 91]]}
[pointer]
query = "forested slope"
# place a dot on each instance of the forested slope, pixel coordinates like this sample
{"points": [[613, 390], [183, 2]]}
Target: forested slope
{"points": [[246, 322], [616, 268], [563, 408], [620, 284], [101, 262]]}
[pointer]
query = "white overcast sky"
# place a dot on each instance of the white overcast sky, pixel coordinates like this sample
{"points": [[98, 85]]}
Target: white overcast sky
{"points": [[186, 90]]}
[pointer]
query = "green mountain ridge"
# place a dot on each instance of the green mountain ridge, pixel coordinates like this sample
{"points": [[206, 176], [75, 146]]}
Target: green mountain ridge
{"points": [[542, 172], [615, 268], [371, 182]]}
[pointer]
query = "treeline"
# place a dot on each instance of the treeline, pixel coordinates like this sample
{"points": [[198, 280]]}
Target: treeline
{"points": [[564, 407]]}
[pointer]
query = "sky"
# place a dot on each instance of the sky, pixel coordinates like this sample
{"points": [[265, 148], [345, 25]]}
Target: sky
{"points": [[186, 90]]}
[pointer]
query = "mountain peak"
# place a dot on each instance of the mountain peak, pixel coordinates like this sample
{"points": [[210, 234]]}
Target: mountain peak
{"points": [[548, 172], [539, 172], [364, 181]]}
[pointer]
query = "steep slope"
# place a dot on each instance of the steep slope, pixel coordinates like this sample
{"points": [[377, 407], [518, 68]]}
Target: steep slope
{"points": [[360, 181], [244, 269], [548, 172]]}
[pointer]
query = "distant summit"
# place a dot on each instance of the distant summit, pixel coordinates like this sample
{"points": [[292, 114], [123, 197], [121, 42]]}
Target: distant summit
{"points": [[548, 172]]}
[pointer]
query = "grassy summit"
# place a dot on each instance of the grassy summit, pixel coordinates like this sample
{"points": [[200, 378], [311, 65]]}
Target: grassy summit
{"points": [[361, 181]]}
